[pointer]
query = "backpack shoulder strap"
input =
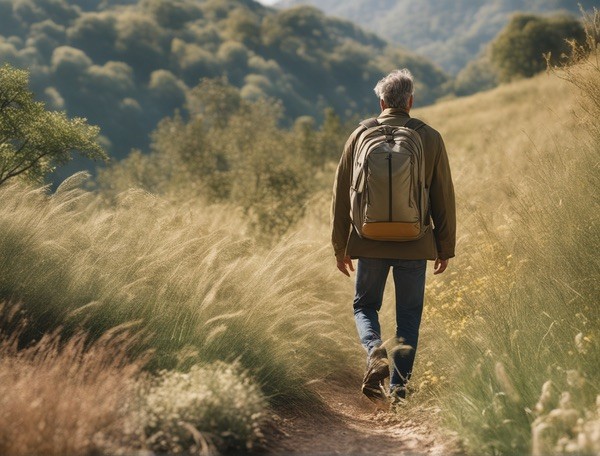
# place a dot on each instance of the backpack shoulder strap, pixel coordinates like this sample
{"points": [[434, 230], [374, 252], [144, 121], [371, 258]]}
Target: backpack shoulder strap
{"points": [[414, 124], [370, 123]]}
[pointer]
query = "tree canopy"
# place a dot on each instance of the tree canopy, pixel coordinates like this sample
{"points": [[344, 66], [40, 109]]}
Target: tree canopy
{"points": [[518, 51]]}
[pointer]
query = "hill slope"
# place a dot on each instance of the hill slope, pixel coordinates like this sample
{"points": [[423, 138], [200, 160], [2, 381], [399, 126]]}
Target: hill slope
{"points": [[449, 33]]}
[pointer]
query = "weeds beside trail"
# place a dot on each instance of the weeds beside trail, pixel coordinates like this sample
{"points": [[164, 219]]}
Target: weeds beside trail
{"points": [[63, 397], [196, 290]]}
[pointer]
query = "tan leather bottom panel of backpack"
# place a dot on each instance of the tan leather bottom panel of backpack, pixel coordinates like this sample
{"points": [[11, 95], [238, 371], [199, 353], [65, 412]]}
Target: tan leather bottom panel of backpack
{"points": [[391, 231]]}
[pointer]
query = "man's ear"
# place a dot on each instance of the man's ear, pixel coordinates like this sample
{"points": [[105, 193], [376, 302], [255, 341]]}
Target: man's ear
{"points": [[382, 105], [410, 101]]}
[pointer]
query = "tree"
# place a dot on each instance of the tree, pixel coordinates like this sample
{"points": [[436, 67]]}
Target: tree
{"points": [[518, 50], [33, 140]]}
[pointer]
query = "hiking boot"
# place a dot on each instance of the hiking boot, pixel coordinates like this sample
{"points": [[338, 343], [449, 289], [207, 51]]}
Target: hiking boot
{"points": [[397, 393], [397, 398], [378, 369]]}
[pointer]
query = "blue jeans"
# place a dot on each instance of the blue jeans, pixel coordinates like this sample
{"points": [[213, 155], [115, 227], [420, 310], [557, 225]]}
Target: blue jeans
{"points": [[409, 284]]}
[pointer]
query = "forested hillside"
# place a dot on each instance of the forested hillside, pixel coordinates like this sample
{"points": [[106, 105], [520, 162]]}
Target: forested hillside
{"points": [[125, 65], [451, 33]]}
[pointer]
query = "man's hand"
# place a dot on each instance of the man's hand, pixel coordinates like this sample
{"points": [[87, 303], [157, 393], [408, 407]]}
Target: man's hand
{"points": [[439, 266], [344, 265]]}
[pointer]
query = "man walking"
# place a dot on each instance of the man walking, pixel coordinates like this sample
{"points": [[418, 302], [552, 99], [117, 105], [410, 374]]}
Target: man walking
{"points": [[406, 246]]}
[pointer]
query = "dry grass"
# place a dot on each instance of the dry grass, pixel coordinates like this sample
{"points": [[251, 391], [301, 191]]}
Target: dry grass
{"points": [[64, 397], [78, 396]]}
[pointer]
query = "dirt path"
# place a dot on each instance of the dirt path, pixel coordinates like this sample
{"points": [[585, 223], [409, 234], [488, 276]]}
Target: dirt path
{"points": [[351, 425]]}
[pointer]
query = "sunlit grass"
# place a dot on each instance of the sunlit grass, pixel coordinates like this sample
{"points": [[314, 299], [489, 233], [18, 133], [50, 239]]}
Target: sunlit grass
{"points": [[63, 397], [517, 313], [195, 289]]}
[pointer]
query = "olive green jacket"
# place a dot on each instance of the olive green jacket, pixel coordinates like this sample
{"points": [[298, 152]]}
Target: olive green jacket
{"points": [[438, 242]]}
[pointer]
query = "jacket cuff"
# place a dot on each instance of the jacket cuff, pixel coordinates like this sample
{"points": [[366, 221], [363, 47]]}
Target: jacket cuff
{"points": [[445, 256]]}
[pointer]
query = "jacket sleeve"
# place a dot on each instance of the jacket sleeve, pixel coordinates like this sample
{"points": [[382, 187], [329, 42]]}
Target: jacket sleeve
{"points": [[340, 204], [443, 208]]}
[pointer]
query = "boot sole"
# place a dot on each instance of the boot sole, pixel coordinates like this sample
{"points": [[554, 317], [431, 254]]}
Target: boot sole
{"points": [[376, 395]]}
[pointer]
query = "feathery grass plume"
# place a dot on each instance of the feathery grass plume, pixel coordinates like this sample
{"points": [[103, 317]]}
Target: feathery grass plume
{"points": [[505, 382], [547, 399], [186, 281]]}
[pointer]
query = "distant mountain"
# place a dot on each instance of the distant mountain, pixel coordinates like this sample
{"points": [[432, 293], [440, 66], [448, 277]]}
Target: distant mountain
{"points": [[127, 64], [449, 32]]}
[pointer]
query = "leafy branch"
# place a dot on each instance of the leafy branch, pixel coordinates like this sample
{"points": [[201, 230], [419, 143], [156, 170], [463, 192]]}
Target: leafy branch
{"points": [[33, 140]]}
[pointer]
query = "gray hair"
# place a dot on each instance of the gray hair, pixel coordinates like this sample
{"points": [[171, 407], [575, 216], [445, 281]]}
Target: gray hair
{"points": [[396, 88]]}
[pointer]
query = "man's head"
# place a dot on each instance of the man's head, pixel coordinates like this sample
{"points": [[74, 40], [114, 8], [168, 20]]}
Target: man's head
{"points": [[396, 90]]}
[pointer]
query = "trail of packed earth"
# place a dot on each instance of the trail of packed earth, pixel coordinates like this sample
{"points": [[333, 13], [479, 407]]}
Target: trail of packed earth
{"points": [[350, 424]]}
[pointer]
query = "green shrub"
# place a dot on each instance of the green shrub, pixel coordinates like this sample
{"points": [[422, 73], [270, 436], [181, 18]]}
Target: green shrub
{"points": [[235, 151], [214, 406], [518, 50]]}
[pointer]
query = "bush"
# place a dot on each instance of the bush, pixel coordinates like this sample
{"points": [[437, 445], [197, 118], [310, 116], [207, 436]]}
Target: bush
{"points": [[476, 76], [214, 406], [235, 151]]}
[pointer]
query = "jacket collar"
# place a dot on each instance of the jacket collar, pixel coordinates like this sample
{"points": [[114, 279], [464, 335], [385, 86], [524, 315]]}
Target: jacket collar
{"points": [[393, 112]]}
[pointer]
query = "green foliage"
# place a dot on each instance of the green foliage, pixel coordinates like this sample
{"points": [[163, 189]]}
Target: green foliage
{"points": [[518, 51], [234, 150], [33, 141], [126, 65], [479, 74]]}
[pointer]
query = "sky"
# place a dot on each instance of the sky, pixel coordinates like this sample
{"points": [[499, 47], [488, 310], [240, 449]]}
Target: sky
{"points": [[266, 2]]}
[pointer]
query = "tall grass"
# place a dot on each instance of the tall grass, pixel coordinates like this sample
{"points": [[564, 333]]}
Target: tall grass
{"points": [[74, 396], [183, 273], [196, 290]]}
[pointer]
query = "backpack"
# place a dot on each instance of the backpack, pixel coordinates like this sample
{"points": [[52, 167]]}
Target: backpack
{"points": [[388, 197]]}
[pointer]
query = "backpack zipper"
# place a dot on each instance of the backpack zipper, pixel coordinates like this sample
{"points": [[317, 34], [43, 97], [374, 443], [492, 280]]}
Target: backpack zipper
{"points": [[412, 183], [389, 158]]}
